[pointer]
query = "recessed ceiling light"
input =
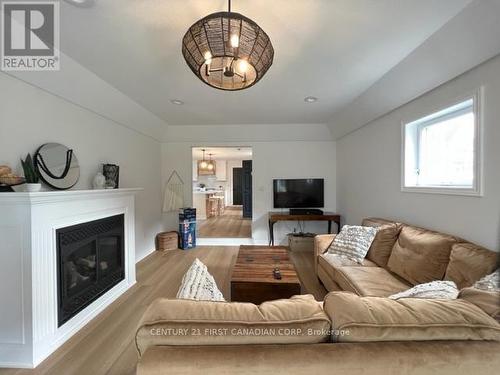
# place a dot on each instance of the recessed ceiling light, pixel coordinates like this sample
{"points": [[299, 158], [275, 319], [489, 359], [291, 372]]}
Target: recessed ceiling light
{"points": [[177, 102], [310, 99]]}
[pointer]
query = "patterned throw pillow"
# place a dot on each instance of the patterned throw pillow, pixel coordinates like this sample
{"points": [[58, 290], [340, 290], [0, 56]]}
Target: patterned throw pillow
{"points": [[433, 290], [353, 242], [198, 284], [490, 282]]}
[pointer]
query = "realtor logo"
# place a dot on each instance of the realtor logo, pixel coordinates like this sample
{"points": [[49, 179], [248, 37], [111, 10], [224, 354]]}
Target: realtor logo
{"points": [[30, 35]]}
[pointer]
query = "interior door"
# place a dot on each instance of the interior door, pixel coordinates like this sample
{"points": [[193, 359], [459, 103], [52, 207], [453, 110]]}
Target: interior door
{"points": [[247, 188], [237, 186]]}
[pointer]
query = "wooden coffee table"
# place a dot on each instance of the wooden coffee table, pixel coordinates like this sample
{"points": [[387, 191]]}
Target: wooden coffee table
{"points": [[252, 279]]}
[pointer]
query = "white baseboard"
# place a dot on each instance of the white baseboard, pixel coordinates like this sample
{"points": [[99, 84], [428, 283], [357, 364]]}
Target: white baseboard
{"points": [[229, 241]]}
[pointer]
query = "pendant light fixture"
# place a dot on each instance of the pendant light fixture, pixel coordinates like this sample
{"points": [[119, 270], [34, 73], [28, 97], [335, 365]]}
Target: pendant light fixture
{"points": [[203, 163], [211, 164], [227, 50]]}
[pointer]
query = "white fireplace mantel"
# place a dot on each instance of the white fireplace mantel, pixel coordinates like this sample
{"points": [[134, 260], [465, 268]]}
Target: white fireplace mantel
{"points": [[28, 267]]}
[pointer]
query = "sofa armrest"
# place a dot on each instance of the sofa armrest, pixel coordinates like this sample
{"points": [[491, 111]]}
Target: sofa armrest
{"points": [[372, 319], [321, 243]]}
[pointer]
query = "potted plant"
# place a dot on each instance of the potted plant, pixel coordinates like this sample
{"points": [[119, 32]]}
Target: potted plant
{"points": [[30, 175]]}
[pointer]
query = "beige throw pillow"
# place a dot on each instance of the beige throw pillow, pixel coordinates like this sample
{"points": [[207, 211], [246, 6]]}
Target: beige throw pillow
{"points": [[353, 242], [490, 282], [198, 284], [432, 290]]}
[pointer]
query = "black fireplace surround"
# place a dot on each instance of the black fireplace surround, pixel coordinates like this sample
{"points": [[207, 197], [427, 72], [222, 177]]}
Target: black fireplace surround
{"points": [[90, 261]]}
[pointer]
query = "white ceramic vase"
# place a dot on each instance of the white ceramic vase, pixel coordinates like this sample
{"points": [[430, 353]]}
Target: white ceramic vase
{"points": [[99, 181]]}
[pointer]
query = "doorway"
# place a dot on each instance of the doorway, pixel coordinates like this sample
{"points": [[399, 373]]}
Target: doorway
{"points": [[238, 186], [222, 191]]}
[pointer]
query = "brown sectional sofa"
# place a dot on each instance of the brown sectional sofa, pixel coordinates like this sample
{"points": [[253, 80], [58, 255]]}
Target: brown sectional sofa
{"points": [[402, 256], [356, 331]]}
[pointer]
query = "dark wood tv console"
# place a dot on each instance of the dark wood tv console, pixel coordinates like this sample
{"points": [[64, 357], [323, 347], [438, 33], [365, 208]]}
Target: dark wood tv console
{"points": [[274, 217]]}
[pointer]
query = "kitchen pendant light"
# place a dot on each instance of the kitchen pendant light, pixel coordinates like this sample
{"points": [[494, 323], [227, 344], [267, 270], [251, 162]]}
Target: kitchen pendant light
{"points": [[203, 163], [210, 165], [227, 50]]}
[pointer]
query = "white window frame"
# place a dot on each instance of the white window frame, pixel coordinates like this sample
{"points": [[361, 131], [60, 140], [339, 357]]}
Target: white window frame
{"points": [[477, 184]]}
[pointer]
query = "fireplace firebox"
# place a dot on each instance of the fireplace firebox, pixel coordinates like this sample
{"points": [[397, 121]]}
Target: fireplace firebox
{"points": [[90, 261]]}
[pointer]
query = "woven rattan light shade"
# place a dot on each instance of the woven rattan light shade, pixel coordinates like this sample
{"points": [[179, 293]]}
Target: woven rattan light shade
{"points": [[228, 51]]}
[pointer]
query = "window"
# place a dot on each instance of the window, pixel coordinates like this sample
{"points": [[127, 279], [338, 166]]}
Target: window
{"points": [[441, 151]]}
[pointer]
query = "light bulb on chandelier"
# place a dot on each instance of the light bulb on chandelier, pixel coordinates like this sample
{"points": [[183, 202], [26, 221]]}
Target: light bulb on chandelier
{"points": [[235, 41]]}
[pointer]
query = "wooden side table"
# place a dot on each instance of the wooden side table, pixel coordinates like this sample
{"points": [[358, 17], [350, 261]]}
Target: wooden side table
{"points": [[274, 217]]}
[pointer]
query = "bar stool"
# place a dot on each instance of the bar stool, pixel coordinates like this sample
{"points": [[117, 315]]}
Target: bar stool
{"points": [[222, 205], [212, 206]]}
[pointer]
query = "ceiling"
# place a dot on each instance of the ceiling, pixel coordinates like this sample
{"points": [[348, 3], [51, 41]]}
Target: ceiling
{"points": [[330, 49], [223, 153]]}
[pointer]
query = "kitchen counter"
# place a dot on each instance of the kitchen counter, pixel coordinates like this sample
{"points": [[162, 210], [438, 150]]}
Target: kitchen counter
{"points": [[208, 192]]}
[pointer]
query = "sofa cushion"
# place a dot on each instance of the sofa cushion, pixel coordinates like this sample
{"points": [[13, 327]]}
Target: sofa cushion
{"points": [[369, 281], [420, 255], [469, 263], [330, 262], [488, 301], [367, 358], [187, 322], [386, 237], [327, 280], [362, 319]]}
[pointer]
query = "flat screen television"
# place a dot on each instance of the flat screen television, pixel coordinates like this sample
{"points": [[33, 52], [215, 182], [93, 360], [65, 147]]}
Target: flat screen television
{"points": [[299, 193]]}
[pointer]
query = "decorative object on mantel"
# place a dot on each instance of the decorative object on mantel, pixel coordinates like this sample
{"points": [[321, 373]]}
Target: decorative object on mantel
{"points": [[174, 193], [57, 166], [8, 179], [227, 50], [166, 241], [99, 181], [30, 175], [112, 174], [4, 170]]}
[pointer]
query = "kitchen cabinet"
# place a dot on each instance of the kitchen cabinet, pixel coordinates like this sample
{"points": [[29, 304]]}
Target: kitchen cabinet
{"points": [[220, 170]]}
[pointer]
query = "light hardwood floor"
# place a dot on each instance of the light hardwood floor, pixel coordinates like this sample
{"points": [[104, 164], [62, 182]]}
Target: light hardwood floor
{"points": [[106, 345], [229, 225]]}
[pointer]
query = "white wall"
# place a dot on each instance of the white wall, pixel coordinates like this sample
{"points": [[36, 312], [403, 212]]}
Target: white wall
{"points": [[276, 159], [368, 167], [466, 41], [247, 133], [30, 117], [76, 84]]}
